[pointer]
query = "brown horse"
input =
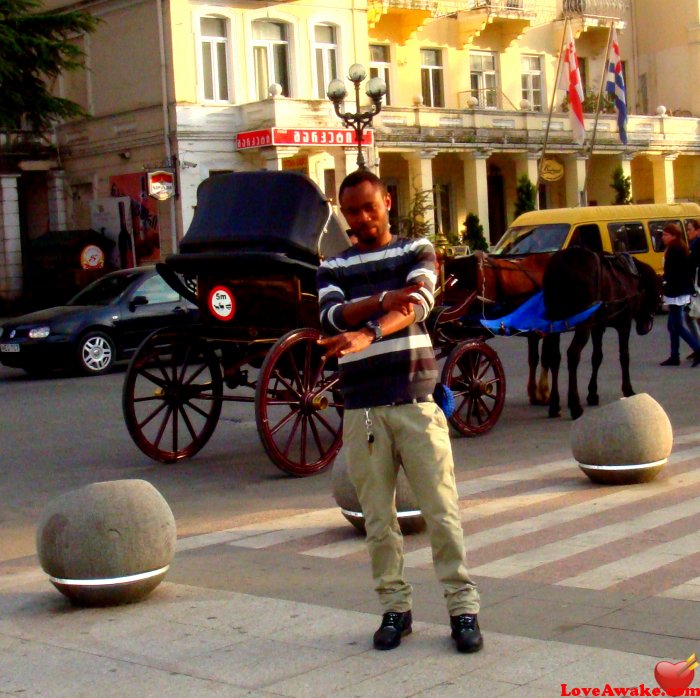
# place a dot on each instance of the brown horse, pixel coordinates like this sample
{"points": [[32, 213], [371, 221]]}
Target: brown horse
{"points": [[628, 290], [491, 286]]}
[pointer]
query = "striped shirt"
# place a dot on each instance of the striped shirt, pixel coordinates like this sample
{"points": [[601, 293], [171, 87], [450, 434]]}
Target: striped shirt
{"points": [[401, 366]]}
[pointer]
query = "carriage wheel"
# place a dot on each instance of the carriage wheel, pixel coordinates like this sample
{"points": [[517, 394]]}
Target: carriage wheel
{"points": [[298, 406], [172, 396], [475, 374]]}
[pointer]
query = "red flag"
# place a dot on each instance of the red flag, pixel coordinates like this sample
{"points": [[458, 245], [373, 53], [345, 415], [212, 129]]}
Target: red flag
{"points": [[571, 82]]}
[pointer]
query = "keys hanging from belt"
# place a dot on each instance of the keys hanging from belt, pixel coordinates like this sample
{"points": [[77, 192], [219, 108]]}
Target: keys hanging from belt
{"points": [[370, 433]]}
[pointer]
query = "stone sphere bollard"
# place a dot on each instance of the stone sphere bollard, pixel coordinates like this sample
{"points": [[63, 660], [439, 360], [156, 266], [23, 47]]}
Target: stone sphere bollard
{"points": [[408, 513], [107, 543], [623, 443]]}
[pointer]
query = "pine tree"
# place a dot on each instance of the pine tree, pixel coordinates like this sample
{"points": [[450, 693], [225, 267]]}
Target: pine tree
{"points": [[622, 186], [35, 48], [525, 196], [474, 233]]}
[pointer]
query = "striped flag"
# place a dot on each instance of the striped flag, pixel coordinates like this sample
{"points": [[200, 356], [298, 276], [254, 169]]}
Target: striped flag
{"points": [[616, 86], [571, 82]]}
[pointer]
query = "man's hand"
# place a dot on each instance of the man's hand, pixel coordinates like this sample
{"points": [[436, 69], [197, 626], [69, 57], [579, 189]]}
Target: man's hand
{"points": [[402, 299], [346, 343]]}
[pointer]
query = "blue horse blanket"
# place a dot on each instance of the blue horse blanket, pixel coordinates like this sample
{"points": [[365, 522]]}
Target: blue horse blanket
{"points": [[530, 317]]}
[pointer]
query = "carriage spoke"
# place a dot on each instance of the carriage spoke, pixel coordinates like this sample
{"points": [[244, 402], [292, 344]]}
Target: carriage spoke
{"points": [[186, 420], [284, 421], [281, 379], [161, 430], [292, 433], [153, 414]]}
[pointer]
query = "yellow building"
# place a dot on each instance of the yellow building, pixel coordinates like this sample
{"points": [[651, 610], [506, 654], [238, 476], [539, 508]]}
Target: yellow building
{"points": [[196, 88]]}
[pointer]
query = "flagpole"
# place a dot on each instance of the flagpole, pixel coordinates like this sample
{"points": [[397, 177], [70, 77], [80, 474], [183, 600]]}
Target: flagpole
{"points": [[597, 111], [551, 107]]}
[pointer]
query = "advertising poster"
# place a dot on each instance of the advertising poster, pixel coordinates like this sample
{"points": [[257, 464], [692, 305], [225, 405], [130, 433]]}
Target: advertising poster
{"points": [[105, 218], [144, 214]]}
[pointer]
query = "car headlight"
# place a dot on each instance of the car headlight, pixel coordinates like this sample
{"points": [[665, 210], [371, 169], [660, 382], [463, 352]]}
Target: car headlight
{"points": [[39, 332]]}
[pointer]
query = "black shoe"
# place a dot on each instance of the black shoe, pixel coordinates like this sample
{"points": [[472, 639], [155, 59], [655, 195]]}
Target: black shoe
{"points": [[394, 626], [692, 355], [466, 633], [696, 361], [671, 361]]}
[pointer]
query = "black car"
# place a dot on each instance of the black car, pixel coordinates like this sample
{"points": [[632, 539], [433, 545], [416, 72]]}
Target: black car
{"points": [[104, 323]]}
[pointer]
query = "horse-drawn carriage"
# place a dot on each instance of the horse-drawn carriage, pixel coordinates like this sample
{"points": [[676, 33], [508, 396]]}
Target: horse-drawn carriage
{"points": [[249, 262]]}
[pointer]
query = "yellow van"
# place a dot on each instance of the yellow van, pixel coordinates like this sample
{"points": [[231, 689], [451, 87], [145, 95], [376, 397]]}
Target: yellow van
{"points": [[635, 229]]}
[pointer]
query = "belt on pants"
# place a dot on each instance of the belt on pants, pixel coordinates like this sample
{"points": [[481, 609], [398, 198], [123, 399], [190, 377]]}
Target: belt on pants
{"points": [[411, 401]]}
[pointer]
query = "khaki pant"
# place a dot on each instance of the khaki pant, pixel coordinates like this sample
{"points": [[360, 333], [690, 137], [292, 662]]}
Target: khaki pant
{"points": [[416, 436]]}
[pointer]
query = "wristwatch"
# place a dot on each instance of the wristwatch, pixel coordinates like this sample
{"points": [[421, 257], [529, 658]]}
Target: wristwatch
{"points": [[376, 329]]}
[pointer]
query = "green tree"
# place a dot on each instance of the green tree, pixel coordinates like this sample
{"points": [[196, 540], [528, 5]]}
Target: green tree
{"points": [[622, 186], [524, 195], [35, 48], [473, 233], [418, 223]]}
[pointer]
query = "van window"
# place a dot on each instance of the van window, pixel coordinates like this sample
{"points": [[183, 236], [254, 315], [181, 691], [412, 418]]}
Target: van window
{"points": [[587, 236], [628, 237], [655, 229], [529, 239]]}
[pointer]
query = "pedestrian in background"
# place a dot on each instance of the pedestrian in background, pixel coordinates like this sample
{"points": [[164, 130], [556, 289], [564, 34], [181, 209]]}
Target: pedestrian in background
{"points": [[693, 230], [374, 300], [677, 289]]}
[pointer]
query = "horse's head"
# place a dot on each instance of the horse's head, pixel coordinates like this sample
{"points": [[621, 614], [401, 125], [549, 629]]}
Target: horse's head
{"points": [[649, 297]]}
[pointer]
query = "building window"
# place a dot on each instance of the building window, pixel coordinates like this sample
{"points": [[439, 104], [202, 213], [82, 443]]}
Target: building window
{"points": [[531, 77], [325, 52], [431, 74], [214, 56], [379, 67], [271, 55], [483, 79]]}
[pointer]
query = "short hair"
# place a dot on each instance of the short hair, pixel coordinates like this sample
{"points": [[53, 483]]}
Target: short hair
{"points": [[695, 223], [359, 176]]}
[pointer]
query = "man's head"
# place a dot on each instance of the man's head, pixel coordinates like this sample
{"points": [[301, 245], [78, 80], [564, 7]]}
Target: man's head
{"points": [[365, 203], [693, 229]]}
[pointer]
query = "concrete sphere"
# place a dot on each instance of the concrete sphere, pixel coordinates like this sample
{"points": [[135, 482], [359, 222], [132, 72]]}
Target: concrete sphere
{"points": [[408, 513], [625, 442], [107, 543]]}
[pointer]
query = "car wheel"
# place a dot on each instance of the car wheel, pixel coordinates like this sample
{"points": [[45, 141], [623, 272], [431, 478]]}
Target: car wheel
{"points": [[96, 353]]}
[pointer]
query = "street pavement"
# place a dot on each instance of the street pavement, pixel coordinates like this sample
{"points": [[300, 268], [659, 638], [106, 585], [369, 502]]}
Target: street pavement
{"points": [[583, 586]]}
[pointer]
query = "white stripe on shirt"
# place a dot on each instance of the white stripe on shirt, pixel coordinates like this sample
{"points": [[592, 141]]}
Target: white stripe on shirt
{"points": [[389, 345]]}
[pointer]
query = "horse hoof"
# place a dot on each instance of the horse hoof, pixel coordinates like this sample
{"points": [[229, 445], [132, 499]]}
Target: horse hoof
{"points": [[554, 415], [593, 401], [575, 414]]}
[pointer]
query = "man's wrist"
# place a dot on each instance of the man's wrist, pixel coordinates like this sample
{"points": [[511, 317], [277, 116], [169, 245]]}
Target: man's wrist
{"points": [[382, 295]]}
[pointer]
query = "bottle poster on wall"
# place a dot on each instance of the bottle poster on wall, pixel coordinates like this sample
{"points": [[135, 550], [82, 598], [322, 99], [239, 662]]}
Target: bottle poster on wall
{"points": [[111, 217], [143, 214]]}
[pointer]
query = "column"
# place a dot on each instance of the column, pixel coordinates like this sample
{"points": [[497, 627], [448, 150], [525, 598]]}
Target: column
{"points": [[664, 183], [57, 200], [575, 181], [10, 239], [345, 160], [626, 164], [420, 177], [476, 193], [527, 164], [273, 157]]}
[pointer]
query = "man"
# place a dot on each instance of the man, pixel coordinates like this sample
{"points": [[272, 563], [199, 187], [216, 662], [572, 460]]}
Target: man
{"points": [[374, 300]]}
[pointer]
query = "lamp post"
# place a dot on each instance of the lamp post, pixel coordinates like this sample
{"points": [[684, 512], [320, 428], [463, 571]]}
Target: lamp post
{"points": [[359, 121]]}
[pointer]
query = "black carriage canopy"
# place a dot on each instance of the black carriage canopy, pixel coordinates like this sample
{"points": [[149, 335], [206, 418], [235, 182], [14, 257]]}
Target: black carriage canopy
{"points": [[259, 218]]}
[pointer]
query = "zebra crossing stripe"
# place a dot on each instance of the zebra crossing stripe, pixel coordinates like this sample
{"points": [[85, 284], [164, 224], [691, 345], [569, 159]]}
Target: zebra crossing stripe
{"points": [[586, 541], [689, 590], [633, 565]]}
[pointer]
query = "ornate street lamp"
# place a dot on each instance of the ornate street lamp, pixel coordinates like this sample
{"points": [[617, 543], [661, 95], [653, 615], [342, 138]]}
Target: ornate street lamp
{"points": [[359, 121]]}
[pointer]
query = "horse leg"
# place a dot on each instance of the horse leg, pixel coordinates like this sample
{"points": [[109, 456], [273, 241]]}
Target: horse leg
{"points": [[596, 360], [551, 360], [573, 357], [533, 359], [623, 334]]}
